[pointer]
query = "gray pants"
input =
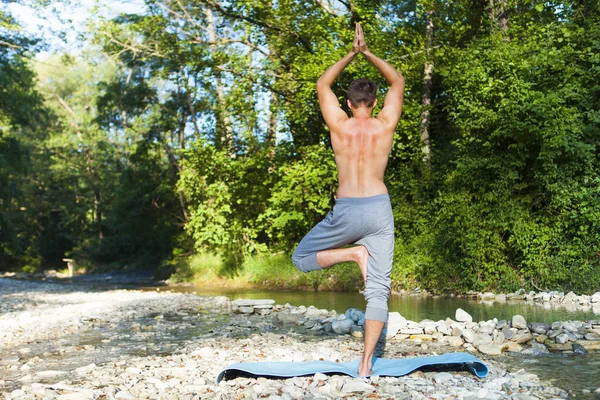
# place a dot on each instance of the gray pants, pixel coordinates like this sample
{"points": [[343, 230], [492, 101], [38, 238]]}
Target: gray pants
{"points": [[366, 221]]}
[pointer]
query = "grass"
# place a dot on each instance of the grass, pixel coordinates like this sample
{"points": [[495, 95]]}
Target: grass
{"points": [[268, 271]]}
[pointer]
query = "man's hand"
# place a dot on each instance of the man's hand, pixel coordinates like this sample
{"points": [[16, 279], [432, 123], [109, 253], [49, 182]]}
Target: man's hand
{"points": [[359, 37], [356, 42], [359, 45]]}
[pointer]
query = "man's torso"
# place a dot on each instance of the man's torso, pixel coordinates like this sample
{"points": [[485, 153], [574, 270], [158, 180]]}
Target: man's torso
{"points": [[361, 148]]}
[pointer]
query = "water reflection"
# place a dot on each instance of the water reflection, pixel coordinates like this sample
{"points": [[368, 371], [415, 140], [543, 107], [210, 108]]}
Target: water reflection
{"points": [[415, 308]]}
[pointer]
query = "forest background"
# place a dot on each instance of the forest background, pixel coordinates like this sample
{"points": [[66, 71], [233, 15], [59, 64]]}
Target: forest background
{"points": [[187, 138]]}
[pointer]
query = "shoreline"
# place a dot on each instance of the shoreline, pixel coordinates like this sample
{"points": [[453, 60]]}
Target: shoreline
{"points": [[55, 324]]}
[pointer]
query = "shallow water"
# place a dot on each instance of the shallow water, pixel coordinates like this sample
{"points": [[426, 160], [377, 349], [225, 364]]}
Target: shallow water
{"points": [[415, 308], [571, 372]]}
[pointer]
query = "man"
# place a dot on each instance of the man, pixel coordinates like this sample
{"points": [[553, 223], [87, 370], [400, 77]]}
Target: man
{"points": [[362, 214]]}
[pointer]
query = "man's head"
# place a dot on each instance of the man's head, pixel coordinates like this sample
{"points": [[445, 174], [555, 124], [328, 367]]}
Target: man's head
{"points": [[362, 93]]}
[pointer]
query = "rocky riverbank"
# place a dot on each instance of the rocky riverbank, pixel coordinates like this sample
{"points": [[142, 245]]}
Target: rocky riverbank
{"points": [[65, 342]]}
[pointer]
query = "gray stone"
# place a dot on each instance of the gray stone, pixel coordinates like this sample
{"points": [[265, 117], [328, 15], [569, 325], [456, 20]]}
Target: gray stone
{"points": [[263, 309], [501, 324], [498, 337], [539, 327], [573, 326], [518, 321], [429, 327], [394, 324], [554, 333], [454, 341], [592, 336], [357, 329], [411, 331], [490, 349], [468, 335], [342, 327], [539, 349], [309, 324], [522, 338], [578, 349], [595, 298], [569, 297], [354, 314], [357, 385], [562, 338], [456, 332], [501, 298], [442, 377], [463, 316], [244, 309], [508, 333]]}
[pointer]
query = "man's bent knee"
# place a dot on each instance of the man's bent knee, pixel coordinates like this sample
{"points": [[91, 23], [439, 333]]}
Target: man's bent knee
{"points": [[305, 263]]}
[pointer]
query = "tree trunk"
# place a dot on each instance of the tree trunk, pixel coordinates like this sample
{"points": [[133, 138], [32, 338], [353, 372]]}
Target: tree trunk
{"points": [[499, 16], [427, 85], [224, 139], [98, 208], [272, 127]]}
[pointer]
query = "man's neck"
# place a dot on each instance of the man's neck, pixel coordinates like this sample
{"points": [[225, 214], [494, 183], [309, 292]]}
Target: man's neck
{"points": [[362, 113]]}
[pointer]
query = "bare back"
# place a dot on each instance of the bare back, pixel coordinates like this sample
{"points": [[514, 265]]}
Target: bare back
{"points": [[361, 144], [361, 147]]}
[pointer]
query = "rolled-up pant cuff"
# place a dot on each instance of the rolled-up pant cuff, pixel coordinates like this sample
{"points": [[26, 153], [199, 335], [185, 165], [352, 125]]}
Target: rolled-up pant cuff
{"points": [[307, 264], [376, 314]]}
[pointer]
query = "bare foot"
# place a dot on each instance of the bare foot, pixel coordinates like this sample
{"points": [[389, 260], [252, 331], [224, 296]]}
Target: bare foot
{"points": [[364, 370], [362, 259]]}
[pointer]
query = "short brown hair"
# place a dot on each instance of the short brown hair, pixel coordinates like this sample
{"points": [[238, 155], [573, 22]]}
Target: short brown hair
{"points": [[362, 92]]}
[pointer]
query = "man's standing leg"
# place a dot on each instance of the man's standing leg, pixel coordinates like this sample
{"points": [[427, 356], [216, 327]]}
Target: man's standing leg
{"points": [[377, 289]]}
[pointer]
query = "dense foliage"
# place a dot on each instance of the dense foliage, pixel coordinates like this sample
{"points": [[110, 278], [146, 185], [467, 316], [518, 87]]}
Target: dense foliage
{"points": [[193, 127]]}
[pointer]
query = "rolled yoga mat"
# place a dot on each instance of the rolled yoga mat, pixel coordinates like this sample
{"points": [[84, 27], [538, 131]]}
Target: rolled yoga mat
{"points": [[381, 367]]}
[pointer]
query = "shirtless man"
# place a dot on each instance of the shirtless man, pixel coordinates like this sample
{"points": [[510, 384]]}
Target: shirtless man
{"points": [[362, 214]]}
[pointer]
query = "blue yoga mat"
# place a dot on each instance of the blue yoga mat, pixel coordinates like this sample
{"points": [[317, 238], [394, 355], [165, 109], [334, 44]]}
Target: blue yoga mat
{"points": [[381, 366]]}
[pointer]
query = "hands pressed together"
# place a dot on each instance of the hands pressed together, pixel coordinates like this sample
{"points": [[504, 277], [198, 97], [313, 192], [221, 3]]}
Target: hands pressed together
{"points": [[359, 45]]}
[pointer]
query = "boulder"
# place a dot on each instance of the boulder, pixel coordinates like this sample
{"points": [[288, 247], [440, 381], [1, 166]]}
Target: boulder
{"points": [[490, 349], [522, 338], [512, 347], [342, 327], [536, 349], [569, 297], [463, 316], [354, 314], [518, 321], [508, 333], [562, 338], [394, 324], [539, 327]]}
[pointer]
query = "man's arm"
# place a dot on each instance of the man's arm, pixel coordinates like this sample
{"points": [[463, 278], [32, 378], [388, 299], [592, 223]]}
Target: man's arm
{"points": [[392, 104], [330, 107]]}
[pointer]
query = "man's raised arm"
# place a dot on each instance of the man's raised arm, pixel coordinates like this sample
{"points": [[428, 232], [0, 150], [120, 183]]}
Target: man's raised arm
{"points": [[392, 104], [330, 107]]}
